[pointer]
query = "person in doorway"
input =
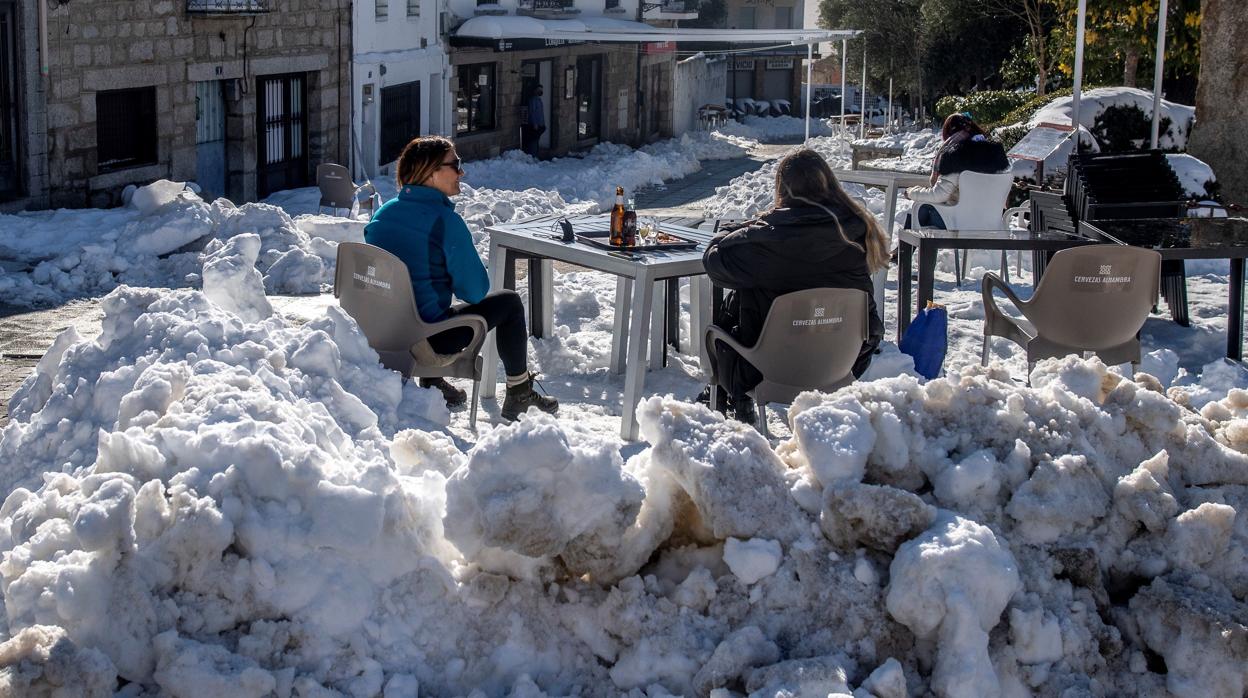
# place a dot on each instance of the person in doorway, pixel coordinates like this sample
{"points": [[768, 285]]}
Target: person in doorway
{"points": [[965, 148], [815, 236], [535, 123], [421, 228]]}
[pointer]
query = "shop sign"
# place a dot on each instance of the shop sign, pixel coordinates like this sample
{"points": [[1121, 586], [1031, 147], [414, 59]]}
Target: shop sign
{"points": [[743, 64], [779, 64]]}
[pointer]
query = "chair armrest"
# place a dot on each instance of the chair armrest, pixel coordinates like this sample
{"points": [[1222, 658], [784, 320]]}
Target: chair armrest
{"points": [[715, 332], [476, 323], [1016, 211], [991, 281]]}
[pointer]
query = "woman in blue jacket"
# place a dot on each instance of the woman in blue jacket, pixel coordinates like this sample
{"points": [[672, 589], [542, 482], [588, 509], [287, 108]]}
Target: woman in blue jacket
{"points": [[421, 228]]}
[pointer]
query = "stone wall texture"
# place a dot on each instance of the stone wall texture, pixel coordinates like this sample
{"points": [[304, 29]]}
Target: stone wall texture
{"points": [[1220, 137], [99, 45]]}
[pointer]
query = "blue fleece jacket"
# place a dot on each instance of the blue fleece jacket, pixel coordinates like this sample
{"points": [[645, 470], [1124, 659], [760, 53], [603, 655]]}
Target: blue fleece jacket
{"points": [[421, 228]]}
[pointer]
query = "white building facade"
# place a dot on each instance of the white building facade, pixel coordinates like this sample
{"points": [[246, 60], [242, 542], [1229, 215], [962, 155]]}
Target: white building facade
{"points": [[400, 80]]}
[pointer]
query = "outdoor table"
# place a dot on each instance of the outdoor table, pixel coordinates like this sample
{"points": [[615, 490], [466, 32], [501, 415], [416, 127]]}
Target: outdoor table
{"points": [[892, 181], [634, 293], [929, 241], [1190, 238]]}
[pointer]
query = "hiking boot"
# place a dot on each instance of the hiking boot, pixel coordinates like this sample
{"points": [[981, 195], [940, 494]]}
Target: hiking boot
{"points": [[743, 411], [521, 397], [454, 396]]}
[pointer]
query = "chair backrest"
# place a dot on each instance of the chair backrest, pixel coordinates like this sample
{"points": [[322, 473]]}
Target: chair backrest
{"points": [[810, 340], [334, 181], [373, 286], [1095, 296], [981, 200]]}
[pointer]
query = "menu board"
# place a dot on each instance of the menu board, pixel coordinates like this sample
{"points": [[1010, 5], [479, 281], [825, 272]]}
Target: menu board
{"points": [[1040, 142]]}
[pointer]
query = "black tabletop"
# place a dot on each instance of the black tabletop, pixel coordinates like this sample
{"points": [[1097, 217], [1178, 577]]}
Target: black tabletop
{"points": [[1175, 233]]}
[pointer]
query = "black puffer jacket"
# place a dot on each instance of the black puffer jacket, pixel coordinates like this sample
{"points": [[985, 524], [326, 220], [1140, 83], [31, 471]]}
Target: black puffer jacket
{"points": [[787, 250], [971, 155]]}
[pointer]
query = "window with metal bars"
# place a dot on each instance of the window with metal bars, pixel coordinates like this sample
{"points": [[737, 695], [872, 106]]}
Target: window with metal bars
{"points": [[413, 8], [400, 118], [125, 128], [383, 8]]}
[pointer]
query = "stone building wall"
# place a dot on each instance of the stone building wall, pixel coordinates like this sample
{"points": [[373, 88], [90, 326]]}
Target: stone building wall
{"points": [[1219, 137], [97, 45], [619, 72]]}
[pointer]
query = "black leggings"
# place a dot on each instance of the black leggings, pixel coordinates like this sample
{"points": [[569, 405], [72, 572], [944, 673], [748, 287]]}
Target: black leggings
{"points": [[504, 312]]}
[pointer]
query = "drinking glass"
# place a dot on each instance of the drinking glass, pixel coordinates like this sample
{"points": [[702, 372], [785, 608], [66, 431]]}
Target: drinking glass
{"points": [[651, 231]]}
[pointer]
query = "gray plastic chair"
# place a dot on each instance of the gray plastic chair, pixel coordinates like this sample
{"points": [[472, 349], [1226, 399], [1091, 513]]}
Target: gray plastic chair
{"points": [[369, 198], [1093, 298], [337, 189], [809, 341], [373, 286]]}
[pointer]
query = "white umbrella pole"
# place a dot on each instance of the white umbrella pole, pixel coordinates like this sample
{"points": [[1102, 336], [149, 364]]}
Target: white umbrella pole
{"points": [[890, 105], [1074, 101], [810, 64], [1158, 69], [844, 68], [862, 123]]}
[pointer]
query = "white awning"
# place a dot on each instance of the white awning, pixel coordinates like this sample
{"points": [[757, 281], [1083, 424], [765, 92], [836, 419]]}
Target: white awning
{"points": [[607, 29]]}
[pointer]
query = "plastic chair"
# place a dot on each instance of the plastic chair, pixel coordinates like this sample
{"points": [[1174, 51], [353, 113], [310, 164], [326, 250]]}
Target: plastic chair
{"points": [[373, 286], [981, 200], [809, 341], [337, 189], [370, 199], [1114, 287]]}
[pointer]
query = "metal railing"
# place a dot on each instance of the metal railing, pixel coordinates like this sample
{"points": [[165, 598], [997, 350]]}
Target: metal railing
{"points": [[228, 6]]}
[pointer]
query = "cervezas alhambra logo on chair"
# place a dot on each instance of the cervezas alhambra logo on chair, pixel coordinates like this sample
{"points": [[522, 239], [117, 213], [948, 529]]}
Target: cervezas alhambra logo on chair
{"points": [[819, 317]]}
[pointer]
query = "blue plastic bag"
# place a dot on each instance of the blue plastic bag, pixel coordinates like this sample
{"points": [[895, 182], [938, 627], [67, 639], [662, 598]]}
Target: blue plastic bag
{"points": [[926, 340]]}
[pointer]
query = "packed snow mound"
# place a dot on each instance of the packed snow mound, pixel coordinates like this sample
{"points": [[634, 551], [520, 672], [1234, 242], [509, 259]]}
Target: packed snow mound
{"points": [[203, 504], [768, 129], [1094, 102], [918, 150]]}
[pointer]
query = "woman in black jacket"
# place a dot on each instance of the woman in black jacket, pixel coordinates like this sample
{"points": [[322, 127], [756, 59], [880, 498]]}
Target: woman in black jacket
{"points": [[815, 236], [966, 148]]}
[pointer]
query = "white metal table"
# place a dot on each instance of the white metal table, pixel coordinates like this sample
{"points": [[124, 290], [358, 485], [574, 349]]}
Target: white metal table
{"points": [[634, 294], [891, 181]]}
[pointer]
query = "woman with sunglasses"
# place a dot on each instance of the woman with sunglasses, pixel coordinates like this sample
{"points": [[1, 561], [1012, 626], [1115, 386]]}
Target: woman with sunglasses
{"points": [[421, 228]]}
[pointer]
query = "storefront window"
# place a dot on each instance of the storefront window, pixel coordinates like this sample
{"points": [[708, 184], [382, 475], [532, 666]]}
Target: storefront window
{"points": [[588, 96], [474, 98]]}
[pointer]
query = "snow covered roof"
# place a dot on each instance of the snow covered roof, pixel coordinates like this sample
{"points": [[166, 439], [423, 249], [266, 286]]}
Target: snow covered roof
{"points": [[498, 27]]}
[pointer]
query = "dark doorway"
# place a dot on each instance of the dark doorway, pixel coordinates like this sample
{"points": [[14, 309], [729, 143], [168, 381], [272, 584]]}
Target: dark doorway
{"points": [[400, 118], [10, 171], [588, 97], [533, 74], [282, 147]]}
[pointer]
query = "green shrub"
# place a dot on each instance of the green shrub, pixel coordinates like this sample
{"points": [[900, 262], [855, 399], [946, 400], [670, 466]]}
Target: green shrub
{"points": [[949, 104], [1009, 136], [986, 107], [1124, 127]]}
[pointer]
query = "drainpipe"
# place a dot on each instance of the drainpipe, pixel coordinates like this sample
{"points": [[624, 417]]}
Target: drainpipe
{"points": [[43, 40]]}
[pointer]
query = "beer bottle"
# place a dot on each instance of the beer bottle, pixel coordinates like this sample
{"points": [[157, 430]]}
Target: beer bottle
{"points": [[617, 218], [630, 225]]}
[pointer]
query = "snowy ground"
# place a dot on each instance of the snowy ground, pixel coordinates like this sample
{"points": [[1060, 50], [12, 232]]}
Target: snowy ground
{"points": [[214, 499]]}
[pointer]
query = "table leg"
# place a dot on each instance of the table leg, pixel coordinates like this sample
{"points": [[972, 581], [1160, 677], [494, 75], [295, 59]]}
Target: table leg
{"points": [[541, 295], [619, 339], [699, 318], [1235, 324], [672, 313], [905, 259], [927, 274], [635, 372], [890, 207], [656, 324], [499, 264]]}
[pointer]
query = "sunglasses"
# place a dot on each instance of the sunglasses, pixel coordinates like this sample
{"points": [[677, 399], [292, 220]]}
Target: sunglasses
{"points": [[457, 163]]}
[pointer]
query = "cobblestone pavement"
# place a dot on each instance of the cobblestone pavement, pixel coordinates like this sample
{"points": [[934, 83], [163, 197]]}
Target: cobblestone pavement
{"points": [[25, 334]]}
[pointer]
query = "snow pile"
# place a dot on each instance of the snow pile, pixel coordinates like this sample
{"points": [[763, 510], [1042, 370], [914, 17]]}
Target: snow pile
{"points": [[1194, 174], [159, 239], [754, 192], [919, 148], [206, 505], [1094, 102], [770, 129]]}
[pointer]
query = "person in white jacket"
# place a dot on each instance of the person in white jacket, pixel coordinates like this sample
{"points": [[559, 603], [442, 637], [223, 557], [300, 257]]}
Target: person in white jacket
{"points": [[965, 148]]}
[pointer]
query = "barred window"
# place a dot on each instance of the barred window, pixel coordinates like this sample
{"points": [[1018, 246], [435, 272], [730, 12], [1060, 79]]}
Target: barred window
{"points": [[125, 128], [413, 8], [383, 8]]}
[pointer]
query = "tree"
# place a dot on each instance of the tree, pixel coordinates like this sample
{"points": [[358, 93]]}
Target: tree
{"points": [[1038, 18]]}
